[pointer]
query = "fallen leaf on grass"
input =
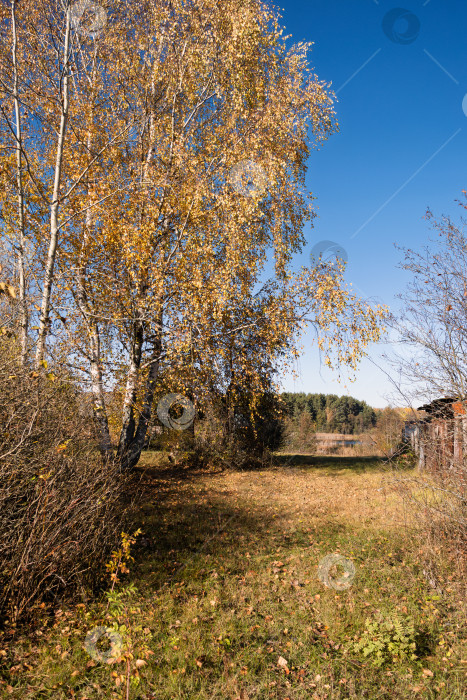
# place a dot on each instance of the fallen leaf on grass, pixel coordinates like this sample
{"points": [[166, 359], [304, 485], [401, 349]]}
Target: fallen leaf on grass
{"points": [[243, 696]]}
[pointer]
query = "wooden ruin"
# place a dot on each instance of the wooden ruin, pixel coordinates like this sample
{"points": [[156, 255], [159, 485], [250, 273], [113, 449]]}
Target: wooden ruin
{"points": [[439, 437]]}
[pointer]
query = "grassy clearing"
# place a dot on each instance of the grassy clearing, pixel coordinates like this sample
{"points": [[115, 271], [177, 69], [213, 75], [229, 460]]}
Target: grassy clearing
{"points": [[227, 592]]}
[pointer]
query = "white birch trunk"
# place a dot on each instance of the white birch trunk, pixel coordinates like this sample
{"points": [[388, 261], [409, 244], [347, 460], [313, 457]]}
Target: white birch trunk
{"points": [[85, 308], [128, 418], [24, 316], [126, 454], [44, 321]]}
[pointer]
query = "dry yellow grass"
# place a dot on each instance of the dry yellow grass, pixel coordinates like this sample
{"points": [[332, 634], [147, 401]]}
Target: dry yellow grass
{"points": [[228, 586], [309, 495]]}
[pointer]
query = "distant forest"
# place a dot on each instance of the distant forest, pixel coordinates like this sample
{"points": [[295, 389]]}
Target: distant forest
{"points": [[330, 413]]}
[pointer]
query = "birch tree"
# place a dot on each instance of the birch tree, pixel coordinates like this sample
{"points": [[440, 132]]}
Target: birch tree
{"points": [[45, 79], [170, 167], [24, 315], [217, 94]]}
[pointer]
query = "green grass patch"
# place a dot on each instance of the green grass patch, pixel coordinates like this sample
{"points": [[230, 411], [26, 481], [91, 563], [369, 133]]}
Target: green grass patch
{"points": [[228, 597]]}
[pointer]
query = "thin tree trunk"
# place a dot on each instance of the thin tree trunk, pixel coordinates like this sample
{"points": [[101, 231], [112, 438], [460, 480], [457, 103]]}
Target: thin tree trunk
{"points": [[98, 401], [99, 407], [44, 321], [128, 412], [130, 457], [229, 395], [24, 317], [131, 437]]}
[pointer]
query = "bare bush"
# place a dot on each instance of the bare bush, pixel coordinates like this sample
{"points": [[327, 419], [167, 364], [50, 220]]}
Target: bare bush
{"points": [[387, 434], [437, 502], [234, 441], [432, 369], [62, 508]]}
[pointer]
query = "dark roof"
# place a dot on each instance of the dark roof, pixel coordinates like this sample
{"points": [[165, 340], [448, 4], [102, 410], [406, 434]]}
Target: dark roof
{"points": [[437, 405]]}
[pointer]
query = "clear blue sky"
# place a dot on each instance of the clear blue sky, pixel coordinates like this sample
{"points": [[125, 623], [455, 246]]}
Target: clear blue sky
{"points": [[402, 146]]}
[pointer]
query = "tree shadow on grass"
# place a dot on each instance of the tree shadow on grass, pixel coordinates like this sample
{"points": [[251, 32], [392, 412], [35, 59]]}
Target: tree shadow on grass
{"points": [[186, 529], [334, 463], [181, 522]]}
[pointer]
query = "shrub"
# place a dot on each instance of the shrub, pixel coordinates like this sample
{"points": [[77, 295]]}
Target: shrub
{"points": [[231, 440], [61, 507], [215, 445], [239, 441]]}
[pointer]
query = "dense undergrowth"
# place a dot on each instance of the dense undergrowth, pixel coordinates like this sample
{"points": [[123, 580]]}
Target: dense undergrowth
{"points": [[61, 507]]}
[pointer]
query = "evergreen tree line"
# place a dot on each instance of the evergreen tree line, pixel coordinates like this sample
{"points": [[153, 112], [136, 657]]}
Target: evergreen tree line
{"points": [[329, 413]]}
